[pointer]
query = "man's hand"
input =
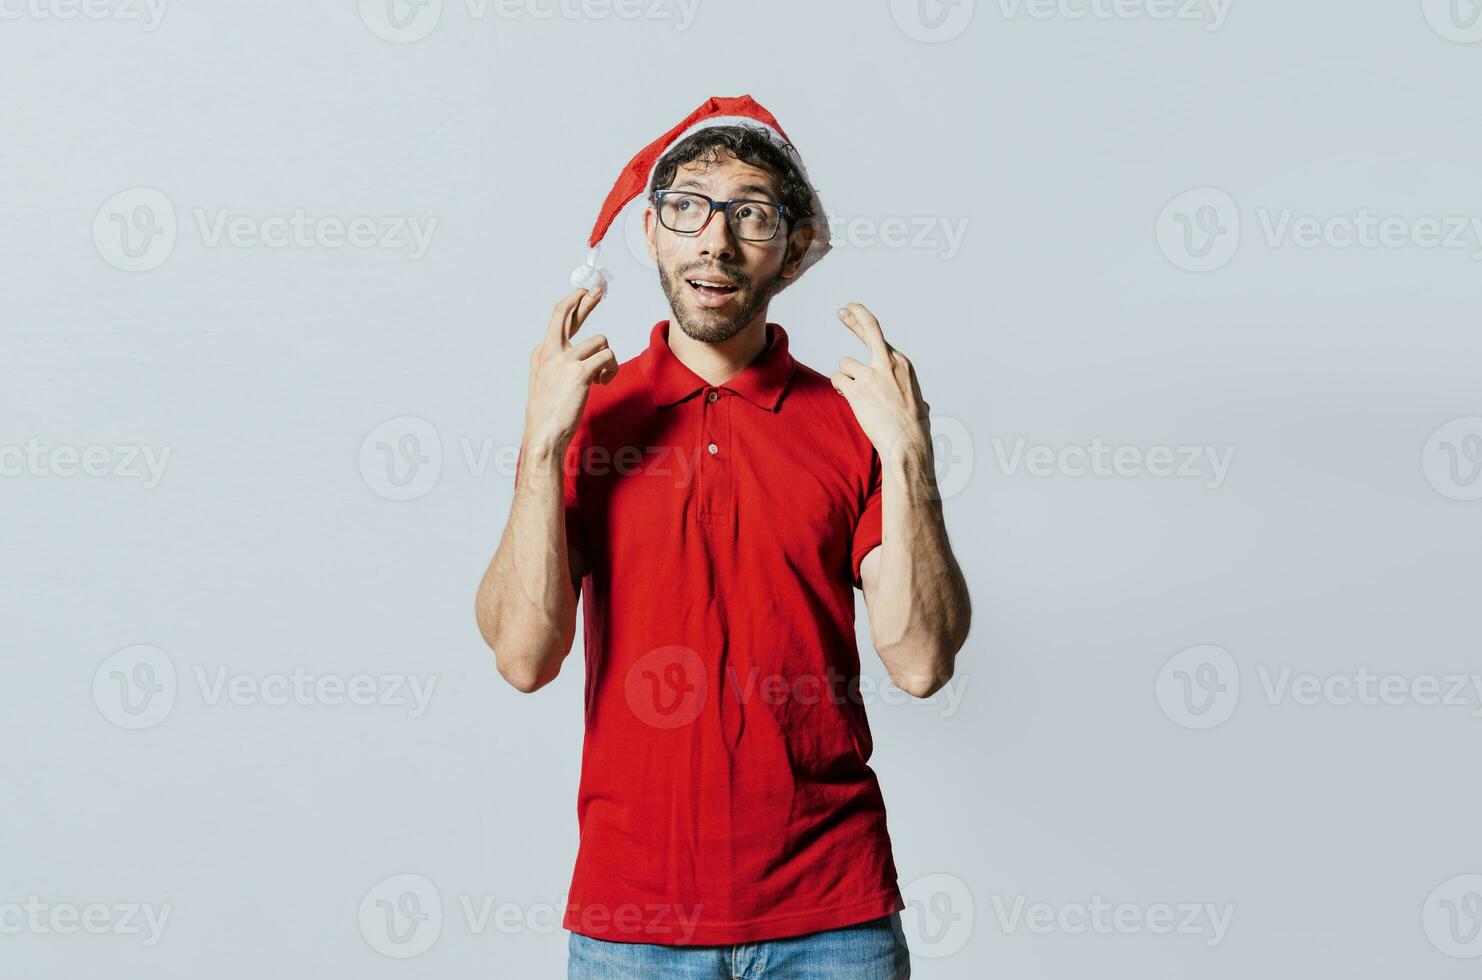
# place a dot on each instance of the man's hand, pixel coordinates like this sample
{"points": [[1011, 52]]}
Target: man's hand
{"points": [[884, 394], [561, 374], [914, 591]]}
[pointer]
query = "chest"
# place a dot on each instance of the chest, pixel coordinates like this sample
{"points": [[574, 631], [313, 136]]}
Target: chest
{"points": [[725, 482]]}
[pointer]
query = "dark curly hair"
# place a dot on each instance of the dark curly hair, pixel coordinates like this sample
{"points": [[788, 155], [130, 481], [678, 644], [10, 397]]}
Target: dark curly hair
{"points": [[749, 144]]}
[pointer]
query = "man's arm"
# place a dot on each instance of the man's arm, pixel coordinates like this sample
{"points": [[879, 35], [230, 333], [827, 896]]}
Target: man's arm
{"points": [[526, 602], [914, 590]]}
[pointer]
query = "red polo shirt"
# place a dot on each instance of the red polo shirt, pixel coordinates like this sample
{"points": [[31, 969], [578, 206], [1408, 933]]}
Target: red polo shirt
{"points": [[725, 796]]}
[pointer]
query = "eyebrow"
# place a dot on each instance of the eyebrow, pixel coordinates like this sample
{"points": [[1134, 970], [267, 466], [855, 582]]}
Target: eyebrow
{"points": [[705, 185]]}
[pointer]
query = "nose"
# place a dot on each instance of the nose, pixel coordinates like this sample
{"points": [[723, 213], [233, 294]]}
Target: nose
{"points": [[714, 239]]}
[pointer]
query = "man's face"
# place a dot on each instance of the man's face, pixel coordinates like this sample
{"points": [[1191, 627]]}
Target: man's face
{"points": [[750, 271]]}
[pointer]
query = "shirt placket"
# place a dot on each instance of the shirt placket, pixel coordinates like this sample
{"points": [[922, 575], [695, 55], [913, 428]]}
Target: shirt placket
{"points": [[714, 463]]}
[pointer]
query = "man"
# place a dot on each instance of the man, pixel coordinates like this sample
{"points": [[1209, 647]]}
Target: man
{"points": [[718, 502]]}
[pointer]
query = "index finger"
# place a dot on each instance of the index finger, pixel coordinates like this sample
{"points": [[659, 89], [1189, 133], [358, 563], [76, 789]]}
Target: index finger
{"points": [[864, 325], [558, 333]]}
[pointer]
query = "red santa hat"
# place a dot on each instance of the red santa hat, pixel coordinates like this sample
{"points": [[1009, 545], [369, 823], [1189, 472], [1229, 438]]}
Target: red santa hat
{"points": [[638, 175]]}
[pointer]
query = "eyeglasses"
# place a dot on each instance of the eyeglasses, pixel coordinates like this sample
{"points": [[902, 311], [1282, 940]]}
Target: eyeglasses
{"points": [[686, 212]]}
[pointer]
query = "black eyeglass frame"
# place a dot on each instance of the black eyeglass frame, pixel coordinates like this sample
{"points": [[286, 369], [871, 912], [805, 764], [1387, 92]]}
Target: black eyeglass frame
{"points": [[783, 214]]}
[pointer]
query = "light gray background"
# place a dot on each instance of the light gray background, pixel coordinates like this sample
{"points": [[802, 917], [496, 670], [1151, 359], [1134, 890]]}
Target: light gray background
{"points": [[1335, 541]]}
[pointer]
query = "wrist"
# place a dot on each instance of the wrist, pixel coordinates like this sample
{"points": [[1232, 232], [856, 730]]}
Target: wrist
{"points": [[544, 446], [911, 465], [540, 454], [909, 456]]}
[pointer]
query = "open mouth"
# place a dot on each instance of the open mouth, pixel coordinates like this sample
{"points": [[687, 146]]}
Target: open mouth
{"points": [[712, 292]]}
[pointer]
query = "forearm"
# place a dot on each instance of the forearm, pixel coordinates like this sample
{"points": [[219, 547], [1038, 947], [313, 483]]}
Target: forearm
{"points": [[921, 612], [526, 603]]}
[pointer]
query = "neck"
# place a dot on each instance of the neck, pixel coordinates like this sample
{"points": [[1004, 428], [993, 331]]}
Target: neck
{"points": [[719, 362]]}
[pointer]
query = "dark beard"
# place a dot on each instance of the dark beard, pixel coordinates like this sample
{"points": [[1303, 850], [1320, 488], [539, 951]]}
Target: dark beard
{"points": [[711, 327]]}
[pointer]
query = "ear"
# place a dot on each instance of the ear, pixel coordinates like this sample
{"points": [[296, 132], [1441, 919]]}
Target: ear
{"points": [[797, 247], [650, 229]]}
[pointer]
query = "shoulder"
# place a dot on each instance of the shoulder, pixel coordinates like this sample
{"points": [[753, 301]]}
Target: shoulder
{"points": [[811, 405], [814, 400], [616, 407]]}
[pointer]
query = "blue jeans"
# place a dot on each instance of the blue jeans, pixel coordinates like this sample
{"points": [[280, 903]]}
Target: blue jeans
{"points": [[874, 950]]}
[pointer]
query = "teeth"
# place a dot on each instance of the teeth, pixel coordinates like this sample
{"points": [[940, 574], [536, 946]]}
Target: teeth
{"points": [[712, 285]]}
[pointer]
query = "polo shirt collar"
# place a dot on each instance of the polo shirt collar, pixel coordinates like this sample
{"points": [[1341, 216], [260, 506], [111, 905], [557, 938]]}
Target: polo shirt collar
{"points": [[761, 382]]}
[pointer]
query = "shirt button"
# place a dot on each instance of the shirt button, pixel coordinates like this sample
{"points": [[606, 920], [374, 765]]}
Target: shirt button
{"points": [[712, 396], [713, 449]]}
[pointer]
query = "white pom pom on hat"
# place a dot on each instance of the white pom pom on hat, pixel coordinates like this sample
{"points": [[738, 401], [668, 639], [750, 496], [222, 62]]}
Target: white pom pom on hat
{"points": [[638, 174]]}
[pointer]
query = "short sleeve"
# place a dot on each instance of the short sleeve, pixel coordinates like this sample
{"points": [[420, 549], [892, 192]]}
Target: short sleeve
{"points": [[868, 529], [576, 532]]}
